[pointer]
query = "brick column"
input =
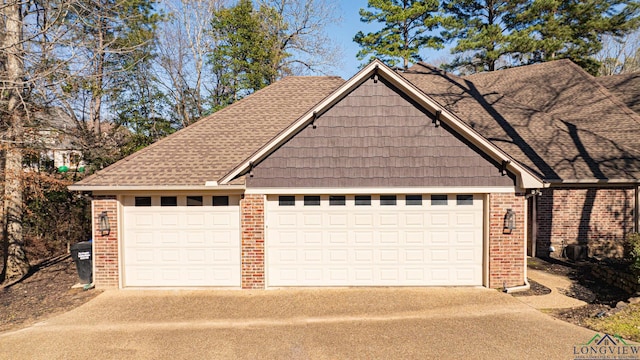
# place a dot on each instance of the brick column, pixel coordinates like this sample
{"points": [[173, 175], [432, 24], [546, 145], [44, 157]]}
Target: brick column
{"points": [[252, 224], [106, 272], [506, 251]]}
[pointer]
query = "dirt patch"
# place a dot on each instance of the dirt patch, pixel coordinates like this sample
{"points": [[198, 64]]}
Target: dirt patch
{"points": [[45, 293], [602, 299]]}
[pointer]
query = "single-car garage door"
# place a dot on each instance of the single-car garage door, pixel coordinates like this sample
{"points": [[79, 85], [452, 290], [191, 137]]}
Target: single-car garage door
{"points": [[181, 241], [375, 240]]}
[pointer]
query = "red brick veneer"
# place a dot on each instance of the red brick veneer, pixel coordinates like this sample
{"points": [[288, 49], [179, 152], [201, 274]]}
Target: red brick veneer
{"points": [[105, 248], [598, 217], [252, 227], [506, 251]]}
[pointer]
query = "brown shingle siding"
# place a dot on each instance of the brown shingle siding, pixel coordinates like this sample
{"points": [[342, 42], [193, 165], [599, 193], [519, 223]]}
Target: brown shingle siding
{"points": [[375, 137]]}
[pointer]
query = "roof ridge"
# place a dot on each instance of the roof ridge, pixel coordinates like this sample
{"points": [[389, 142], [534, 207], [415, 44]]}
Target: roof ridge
{"points": [[519, 68], [608, 94]]}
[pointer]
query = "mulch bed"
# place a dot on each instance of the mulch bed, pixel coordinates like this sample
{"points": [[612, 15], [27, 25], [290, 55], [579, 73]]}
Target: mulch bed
{"points": [[44, 293], [602, 299]]}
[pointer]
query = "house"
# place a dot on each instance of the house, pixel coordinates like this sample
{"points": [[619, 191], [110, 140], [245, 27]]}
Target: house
{"points": [[390, 178], [53, 142]]}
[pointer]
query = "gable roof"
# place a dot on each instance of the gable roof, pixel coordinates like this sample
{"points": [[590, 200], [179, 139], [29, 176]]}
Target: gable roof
{"points": [[625, 86], [551, 117], [549, 121], [207, 149], [525, 178]]}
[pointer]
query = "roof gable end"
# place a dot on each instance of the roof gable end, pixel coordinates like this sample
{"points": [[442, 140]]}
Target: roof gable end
{"points": [[375, 69]]}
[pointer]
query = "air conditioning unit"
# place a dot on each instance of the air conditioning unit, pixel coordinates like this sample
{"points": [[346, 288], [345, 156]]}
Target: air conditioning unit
{"points": [[576, 252]]}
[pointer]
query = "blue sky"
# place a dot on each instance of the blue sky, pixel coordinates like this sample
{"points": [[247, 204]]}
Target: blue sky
{"points": [[344, 32]]}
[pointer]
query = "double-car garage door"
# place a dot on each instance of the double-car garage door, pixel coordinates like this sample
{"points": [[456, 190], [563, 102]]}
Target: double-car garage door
{"points": [[310, 240], [375, 240]]}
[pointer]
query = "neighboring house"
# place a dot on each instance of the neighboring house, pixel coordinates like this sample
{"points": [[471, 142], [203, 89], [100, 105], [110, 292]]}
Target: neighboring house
{"points": [[53, 141], [411, 178]]}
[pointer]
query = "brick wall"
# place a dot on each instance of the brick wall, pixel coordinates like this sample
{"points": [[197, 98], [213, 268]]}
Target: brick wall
{"points": [[105, 248], [506, 251], [599, 218], [252, 227]]}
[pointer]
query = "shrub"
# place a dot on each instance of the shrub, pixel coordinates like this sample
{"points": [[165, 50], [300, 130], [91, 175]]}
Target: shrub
{"points": [[632, 252]]}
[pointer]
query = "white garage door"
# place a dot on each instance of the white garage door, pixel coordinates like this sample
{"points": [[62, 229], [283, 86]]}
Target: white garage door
{"points": [[169, 243], [388, 240]]}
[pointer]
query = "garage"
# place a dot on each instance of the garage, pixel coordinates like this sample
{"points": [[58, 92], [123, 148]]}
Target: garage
{"points": [[181, 241], [374, 240]]}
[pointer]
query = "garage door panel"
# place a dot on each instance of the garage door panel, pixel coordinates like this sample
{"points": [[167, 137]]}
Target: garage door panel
{"points": [[312, 255], [414, 220], [339, 219], [337, 256], [439, 219], [169, 220], [390, 220], [312, 219], [365, 220], [338, 237], [363, 237], [285, 238], [415, 237], [439, 237], [389, 238], [389, 256], [195, 219], [181, 246], [143, 220], [170, 238], [374, 245], [414, 256]]}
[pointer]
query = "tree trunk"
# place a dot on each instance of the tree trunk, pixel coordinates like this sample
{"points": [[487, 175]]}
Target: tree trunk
{"points": [[96, 94], [16, 263]]}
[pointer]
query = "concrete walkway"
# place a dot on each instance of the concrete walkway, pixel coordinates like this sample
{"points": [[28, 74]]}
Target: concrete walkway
{"points": [[555, 299]]}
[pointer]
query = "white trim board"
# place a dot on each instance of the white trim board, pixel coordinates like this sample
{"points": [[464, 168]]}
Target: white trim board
{"points": [[384, 190]]}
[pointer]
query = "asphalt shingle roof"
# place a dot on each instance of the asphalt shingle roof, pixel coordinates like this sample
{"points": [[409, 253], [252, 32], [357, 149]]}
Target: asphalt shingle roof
{"points": [[553, 118], [626, 87], [208, 149]]}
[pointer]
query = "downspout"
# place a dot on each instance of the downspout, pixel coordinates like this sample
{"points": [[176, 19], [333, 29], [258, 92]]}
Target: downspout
{"points": [[526, 285]]}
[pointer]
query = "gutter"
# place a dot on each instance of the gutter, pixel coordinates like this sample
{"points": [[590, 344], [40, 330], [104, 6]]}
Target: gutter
{"points": [[108, 188]]}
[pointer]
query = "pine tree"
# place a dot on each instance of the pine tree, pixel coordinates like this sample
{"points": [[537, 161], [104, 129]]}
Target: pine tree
{"points": [[406, 30], [482, 30], [245, 57], [493, 34]]}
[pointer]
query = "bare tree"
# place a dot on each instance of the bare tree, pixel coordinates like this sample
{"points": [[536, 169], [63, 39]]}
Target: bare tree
{"points": [[620, 55], [52, 53], [302, 35], [183, 45], [16, 264]]}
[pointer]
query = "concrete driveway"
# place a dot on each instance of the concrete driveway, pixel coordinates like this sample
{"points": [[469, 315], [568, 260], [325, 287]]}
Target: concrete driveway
{"points": [[371, 323]]}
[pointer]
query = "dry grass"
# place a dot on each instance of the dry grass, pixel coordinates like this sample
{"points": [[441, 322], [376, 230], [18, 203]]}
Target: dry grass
{"points": [[626, 323]]}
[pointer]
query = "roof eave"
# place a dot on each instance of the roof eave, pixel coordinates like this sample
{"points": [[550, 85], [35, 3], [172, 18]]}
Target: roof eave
{"points": [[117, 189], [555, 182]]}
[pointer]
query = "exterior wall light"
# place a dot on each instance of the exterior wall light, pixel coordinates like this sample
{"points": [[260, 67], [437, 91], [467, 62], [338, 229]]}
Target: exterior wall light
{"points": [[104, 227], [509, 222]]}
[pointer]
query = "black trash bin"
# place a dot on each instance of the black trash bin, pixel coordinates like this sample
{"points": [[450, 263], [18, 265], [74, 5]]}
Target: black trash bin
{"points": [[81, 254]]}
